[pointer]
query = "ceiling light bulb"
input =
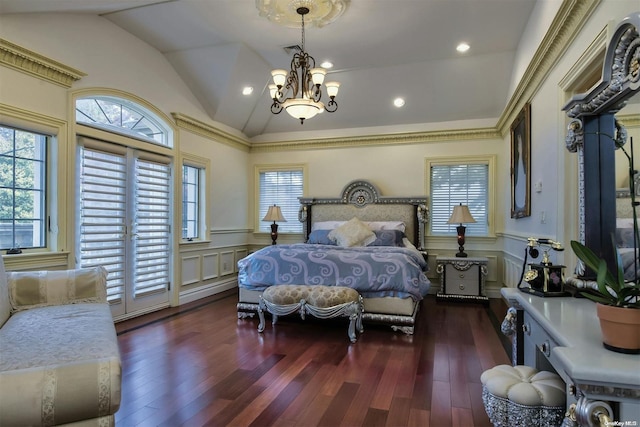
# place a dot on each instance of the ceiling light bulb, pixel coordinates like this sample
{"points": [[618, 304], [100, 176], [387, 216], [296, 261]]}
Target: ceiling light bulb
{"points": [[247, 90], [327, 64], [463, 47], [398, 102]]}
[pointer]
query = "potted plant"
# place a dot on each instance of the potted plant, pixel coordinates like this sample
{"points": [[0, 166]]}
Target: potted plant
{"points": [[618, 302]]}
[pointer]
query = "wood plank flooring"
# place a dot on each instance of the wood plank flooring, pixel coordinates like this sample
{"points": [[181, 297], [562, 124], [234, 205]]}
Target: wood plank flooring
{"points": [[199, 365]]}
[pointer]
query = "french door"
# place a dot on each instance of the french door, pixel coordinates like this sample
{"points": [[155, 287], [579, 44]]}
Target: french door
{"points": [[124, 223]]}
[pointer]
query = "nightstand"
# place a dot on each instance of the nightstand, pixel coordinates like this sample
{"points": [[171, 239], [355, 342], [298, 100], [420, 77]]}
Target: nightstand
{"points": [[462, 278]]}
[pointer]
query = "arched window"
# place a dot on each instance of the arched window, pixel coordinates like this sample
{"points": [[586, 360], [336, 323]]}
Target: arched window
{"points": [[124, 117]]}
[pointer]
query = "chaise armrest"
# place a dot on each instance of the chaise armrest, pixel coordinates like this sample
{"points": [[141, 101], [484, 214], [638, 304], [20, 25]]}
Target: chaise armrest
{"points": [[31, 289]]}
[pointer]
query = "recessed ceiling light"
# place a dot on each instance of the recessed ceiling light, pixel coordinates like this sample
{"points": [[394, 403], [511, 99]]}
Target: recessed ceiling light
{"points": [[247, 90], [327, 64], [463, 47], [398, 102]]}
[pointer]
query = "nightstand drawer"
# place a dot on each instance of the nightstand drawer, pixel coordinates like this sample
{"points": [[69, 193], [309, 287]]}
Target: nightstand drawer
{"points": [[462, 282], [462, 278]]}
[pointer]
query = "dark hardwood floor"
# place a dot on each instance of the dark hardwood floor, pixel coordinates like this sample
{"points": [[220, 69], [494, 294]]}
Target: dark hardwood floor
{"points": [[200, 365]]}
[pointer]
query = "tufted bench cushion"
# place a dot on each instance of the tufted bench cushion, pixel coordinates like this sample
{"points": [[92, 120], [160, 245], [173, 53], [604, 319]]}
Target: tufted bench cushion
{"points": [[320, 301], [523, 396]]}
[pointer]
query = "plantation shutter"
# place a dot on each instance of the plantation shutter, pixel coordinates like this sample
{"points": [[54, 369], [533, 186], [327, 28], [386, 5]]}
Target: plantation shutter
{"points": [[102, 215], [281, 188], [455, 184], [152, 226]]}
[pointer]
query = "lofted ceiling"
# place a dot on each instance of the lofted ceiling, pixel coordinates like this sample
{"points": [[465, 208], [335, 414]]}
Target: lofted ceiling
{"points": [[381, 49]]}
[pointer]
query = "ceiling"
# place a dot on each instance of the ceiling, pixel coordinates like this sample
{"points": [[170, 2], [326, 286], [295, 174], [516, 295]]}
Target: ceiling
{"points": [[381, 49]]}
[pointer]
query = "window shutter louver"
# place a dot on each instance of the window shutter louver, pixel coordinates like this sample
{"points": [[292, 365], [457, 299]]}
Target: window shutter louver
{"points": [[455, 184], [152, 227], [103, 181], [281, 188]]}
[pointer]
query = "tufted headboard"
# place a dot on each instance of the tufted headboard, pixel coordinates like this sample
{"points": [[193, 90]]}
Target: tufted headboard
{"points": [[362, 199]]}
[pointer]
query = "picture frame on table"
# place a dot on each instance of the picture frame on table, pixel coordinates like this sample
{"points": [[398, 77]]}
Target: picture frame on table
{"points": [[521, 164]]}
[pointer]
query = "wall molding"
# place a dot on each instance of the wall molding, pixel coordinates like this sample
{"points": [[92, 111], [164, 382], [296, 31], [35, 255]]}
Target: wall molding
{"points": [[34, 64], [210, 132]]}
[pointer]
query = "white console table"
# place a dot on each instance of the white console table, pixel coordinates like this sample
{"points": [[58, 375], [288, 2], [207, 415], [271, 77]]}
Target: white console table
{"points": [[563, 334]]}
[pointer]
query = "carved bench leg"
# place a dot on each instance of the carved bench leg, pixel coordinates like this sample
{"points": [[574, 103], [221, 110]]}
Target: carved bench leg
{"points": [[261, 308]]}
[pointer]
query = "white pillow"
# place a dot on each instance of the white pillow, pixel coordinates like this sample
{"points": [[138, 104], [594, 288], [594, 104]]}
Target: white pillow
{"points": [[352, 233]]}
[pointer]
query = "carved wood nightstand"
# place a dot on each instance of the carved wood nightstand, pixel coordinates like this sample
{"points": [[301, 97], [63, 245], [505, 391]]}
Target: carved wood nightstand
{"points": [[462, 278]]}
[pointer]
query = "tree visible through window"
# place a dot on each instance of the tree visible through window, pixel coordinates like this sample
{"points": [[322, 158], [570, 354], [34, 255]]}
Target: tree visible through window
{"points": [[22, 188]]}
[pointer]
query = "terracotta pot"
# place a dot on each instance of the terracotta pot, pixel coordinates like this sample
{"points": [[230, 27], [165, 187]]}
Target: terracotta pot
{"points": [[620, 328]]}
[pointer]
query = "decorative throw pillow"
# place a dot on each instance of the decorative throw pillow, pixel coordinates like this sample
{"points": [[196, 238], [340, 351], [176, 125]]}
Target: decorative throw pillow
{"points": [[352, 233], [320, 237], [31, 289], [388, 238]]}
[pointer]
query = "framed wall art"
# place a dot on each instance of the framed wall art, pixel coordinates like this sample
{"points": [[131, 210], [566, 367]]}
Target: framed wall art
{"points": [[521, 164]]}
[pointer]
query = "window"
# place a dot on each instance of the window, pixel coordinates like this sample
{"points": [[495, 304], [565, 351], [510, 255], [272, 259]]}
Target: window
{"points": [[22, 188], [122, 116], [190, 202], [452, 183], [280, 187]]}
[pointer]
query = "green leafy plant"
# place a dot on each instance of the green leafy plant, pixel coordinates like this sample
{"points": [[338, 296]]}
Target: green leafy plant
{"points": [[612, 288]]}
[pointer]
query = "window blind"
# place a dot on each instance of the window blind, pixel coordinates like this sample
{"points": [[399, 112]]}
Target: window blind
{"points": [[281, 188], [455, 184]]}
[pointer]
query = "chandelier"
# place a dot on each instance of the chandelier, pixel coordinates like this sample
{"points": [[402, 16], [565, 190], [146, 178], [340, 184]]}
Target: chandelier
{"points": [[298, 91]]}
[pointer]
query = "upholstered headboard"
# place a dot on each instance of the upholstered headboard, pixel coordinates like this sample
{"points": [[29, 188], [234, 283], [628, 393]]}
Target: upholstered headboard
{"points": [[362, 199]]}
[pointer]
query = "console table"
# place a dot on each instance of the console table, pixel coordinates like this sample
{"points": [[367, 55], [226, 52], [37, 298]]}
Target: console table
{"points": [[562, 334]]}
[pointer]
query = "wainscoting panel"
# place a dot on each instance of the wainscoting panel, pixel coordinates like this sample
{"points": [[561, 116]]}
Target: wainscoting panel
{"points": [[240, 253], [512, 272], [227, 262], [191, 269], [209, 266]]}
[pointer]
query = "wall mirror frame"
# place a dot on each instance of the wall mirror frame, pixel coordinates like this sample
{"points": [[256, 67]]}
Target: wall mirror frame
{"points": [[593, 133]]}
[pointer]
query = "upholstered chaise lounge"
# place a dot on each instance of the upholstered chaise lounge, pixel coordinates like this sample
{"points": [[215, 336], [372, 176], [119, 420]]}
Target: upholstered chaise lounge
{"points": [[59, 357]]}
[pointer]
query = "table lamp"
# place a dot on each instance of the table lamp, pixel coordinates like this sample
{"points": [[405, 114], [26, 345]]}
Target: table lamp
{"points": [[461, 215], [274, 214]]}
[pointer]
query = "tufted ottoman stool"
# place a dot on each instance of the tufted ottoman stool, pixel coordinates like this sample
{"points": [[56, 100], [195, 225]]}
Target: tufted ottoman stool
{"points": [[522, 396], [323, 302]]}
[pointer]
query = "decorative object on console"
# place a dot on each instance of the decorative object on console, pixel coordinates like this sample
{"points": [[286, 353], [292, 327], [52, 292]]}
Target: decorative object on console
{"points": [[461, 215], [274, 214], [545, 279], [304, 81], [618, 303]]}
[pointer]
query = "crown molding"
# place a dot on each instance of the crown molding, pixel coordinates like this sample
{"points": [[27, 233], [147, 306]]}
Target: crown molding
{"points": [[34, 64], [378, 140], [564, 28], [211, 132], [629, 120]]}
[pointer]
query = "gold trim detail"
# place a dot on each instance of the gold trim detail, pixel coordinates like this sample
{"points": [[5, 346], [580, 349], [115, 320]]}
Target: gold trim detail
{"points": [[37, 65], [373, 140], [200, 128]]}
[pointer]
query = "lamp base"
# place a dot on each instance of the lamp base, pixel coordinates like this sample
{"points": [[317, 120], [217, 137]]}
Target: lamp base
{"points": [[274, 233], [461, 254]]}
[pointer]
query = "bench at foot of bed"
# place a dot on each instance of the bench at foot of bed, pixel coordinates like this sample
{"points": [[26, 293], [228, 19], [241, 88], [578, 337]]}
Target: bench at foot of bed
{"points": [[323, 302]]}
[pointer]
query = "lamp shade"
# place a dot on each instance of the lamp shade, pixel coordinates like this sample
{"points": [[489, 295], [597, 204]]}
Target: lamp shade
{"points": [[274, 214], [460, 215]]}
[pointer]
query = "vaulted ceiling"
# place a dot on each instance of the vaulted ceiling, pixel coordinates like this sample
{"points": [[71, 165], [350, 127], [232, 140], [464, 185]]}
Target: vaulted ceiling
{"points": [[381, 49]]}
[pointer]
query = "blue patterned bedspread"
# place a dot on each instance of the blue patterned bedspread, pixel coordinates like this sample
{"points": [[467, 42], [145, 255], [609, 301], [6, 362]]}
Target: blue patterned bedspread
{"points": [[372, 271]]}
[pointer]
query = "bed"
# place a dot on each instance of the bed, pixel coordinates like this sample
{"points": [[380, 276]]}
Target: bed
{"points": [[361, 240]]}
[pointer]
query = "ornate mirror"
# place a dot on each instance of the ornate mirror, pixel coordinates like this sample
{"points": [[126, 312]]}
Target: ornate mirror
{"points": [[597, 132]]}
